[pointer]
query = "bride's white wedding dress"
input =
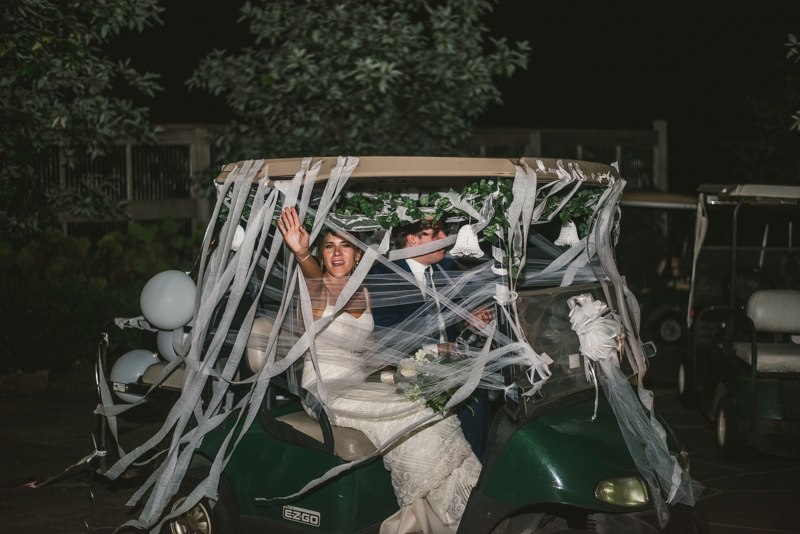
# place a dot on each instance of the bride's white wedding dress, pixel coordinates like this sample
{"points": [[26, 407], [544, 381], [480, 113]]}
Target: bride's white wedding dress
{"points": [[433, 468]]}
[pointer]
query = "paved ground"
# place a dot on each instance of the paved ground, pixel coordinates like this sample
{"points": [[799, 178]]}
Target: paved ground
{"points": [[42, 434], [756, 497]]}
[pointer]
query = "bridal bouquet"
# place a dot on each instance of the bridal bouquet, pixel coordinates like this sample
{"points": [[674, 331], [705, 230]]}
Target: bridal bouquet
{"points": [[421, 377]]}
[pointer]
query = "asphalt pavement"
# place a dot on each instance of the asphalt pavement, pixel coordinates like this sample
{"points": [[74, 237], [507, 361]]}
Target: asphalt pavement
{"points": [[43, 433]]}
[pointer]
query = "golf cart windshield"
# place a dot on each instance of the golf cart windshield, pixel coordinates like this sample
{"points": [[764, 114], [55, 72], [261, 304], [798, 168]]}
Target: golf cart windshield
{"points": [[545, 318], [767, 251]]}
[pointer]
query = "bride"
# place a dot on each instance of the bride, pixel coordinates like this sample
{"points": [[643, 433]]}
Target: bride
{"points": [[433, 469]]}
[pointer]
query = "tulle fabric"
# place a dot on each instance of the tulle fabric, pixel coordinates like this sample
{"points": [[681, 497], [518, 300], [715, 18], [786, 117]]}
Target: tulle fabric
{"points": [[433, 468]]}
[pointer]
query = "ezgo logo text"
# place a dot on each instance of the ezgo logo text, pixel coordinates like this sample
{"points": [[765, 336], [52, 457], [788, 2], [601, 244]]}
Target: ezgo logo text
{"points": [[301, 515]]}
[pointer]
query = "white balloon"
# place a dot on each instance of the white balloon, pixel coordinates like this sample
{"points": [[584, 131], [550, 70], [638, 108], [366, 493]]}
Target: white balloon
{"points": [[164, 342], [167, 300], [129, 367]]}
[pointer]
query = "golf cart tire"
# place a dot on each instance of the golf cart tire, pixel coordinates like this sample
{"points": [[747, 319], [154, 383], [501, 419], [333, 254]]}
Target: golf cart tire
{"points": [[685, 385], [670, 328], [731, 443], [223, 518]]}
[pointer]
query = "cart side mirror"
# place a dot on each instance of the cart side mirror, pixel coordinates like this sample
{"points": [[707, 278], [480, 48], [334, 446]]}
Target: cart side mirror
{"points": [[648, 349]]}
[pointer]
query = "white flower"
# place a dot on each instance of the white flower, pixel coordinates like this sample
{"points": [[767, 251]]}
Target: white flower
{"points": [[420, 355], [413, 392], [407, 371]]}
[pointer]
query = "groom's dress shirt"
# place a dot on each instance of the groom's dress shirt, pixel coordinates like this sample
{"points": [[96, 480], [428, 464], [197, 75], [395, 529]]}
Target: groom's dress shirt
{"points": [[393, 315], [418, 270], [424, 277], [476, 420]]}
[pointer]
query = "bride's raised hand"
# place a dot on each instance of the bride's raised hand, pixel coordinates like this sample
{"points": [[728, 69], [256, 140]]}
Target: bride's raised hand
{"points": [[293, 232]]}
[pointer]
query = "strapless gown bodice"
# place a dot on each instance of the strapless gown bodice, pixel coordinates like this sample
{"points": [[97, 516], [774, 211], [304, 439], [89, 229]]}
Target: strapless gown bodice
{"points": [[433, 467], [339, 348]]}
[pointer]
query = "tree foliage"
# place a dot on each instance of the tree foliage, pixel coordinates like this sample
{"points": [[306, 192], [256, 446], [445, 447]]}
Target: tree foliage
{"points": [[794, 52], [73, 286], [770, 151], [348, 77], [56, 91]]}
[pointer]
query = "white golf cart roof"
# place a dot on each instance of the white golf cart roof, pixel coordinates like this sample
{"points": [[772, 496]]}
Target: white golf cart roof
{"points": [[658, 200], [723, 192], [433, 169]]}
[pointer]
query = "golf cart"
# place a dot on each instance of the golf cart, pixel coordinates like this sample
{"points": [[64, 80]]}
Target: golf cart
{"points": [[565, 454], [654, 251], [742, 368]]}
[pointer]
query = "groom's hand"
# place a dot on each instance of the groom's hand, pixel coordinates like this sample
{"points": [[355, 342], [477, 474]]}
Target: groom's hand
{"points": [[481, 317], [445, 349]]}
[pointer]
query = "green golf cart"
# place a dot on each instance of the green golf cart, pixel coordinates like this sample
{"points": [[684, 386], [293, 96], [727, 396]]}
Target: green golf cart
{"points": [[654, 251], [565, 454], [743, 364]]}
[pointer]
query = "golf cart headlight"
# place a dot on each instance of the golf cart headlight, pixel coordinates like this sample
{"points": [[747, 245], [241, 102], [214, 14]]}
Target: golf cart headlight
{"points": [[622, 491]]}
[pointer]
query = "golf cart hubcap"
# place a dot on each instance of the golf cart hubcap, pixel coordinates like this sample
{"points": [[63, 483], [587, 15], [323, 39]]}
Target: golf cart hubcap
{"points": [[670, 330], [196, 521], [721, 428]]}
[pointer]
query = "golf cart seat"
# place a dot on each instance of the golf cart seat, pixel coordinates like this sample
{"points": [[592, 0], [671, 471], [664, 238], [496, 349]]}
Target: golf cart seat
{"points": [[778, 311], [259, 334], [348, 443], [253, 357], [175, 379]]}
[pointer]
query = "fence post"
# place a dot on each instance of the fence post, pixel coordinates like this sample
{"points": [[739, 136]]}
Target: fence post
{"points": [[129, 174], [534, 146], [660, 180], [62, 182], [199, 160]]}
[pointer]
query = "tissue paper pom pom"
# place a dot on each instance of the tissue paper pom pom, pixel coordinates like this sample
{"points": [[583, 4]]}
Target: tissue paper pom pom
{"points": [[466, 243], [568, 236]]}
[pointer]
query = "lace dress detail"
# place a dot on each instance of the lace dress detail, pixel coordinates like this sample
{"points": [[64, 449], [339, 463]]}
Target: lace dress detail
{"points": [[435, 462]]}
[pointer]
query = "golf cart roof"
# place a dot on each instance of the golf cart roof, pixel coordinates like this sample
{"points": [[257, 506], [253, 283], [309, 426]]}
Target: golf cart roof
{"points": [[658, 199], [726, 191], [435, 170]]}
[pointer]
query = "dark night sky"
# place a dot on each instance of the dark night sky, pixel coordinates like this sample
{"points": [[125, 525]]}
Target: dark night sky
{"points": [[608, 65]]}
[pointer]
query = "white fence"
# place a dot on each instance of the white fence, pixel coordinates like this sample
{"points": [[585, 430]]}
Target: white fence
{"points": [[155, 180]]}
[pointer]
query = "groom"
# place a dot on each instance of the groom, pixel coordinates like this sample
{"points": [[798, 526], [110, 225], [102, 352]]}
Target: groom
{"points": [[476, 420]]}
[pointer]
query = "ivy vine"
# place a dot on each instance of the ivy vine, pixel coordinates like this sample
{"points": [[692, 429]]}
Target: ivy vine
{"points": [[383, 207], [578, 210]]}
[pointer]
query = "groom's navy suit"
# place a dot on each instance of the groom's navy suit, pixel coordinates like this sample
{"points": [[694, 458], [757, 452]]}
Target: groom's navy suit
{"points": [[476, 420]]}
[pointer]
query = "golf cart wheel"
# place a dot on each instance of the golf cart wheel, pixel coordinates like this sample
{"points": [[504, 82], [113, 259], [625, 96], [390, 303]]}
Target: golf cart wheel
{"points": [[731, 443], [685, 385], [202, 518], [670, 328]]}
